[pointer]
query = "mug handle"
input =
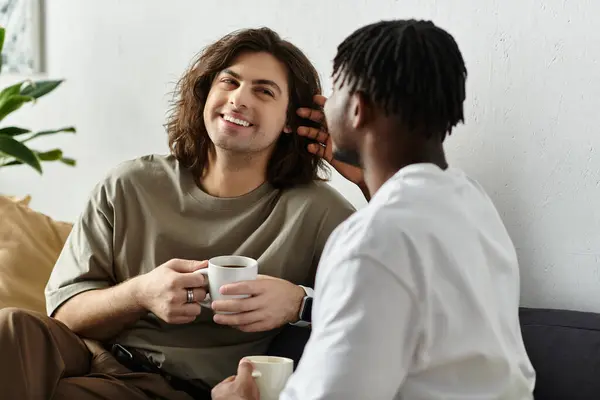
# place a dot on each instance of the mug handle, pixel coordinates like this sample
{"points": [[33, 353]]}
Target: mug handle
{"points": [[256, 374], [205, 302]]}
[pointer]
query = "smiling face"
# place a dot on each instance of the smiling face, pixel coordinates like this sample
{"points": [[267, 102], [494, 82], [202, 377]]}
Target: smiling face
{"points": [[246, 107]]}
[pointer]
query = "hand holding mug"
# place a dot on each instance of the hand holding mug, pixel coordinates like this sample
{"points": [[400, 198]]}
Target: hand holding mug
{"points": [[273, 302], [238, 387], [167, 290], [262, 377]]}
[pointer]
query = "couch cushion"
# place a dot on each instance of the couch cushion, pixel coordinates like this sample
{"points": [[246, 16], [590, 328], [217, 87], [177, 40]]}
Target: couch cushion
{"points": [[30, 243], [564, 348], [17, 199]]}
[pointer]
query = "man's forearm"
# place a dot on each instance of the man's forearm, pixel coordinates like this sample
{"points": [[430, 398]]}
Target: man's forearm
{"points": [[101, 314]]}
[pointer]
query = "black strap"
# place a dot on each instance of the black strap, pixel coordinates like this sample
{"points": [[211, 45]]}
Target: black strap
{"points": [[138, 362]]}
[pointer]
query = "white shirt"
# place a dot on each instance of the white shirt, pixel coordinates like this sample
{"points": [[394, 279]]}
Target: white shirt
{"points": [[417, 297]]}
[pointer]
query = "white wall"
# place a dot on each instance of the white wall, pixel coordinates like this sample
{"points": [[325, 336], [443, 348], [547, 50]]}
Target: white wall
{"points": [[533, 90]]}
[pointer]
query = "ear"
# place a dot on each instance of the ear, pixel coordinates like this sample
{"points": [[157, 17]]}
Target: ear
{"points": [[360, 109], [287, 129]]}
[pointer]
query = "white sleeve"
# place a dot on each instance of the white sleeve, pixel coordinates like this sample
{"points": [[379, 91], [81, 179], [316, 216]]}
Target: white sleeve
{"points": [[365, 330]]}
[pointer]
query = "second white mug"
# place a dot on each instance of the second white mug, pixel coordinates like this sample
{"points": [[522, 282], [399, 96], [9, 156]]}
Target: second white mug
{"points": [[271, 374]]}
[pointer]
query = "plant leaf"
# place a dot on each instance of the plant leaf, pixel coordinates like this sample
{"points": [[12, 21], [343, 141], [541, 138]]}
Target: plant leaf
{"points": [[18, 150], [8, 93], [39, 88], [13, 131], [14, 162], [11, 90], [68, 161], [65, 160], [70, 129], [2, 34], [12, 103], [50, 155]]}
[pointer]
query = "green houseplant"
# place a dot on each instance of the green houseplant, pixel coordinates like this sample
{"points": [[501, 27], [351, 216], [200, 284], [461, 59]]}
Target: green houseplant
{"points": [[14, 140]]}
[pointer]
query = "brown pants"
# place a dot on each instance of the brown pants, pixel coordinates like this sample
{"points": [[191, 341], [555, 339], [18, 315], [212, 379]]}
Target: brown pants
{"points": [[40, 358]]}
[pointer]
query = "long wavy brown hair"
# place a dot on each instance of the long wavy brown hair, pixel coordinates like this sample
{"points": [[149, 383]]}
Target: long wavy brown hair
{"points": [[291, 163]]}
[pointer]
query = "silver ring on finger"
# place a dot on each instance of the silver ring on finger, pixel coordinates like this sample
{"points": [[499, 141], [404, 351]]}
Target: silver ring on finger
{"points": [[190, 296]]}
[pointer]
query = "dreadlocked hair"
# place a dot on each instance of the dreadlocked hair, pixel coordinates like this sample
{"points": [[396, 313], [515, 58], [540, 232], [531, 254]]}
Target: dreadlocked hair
{"points": [[408, 68]]}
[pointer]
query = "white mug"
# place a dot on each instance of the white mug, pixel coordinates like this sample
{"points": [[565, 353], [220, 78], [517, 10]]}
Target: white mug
{"points": [[223, 270], [271, 374]]}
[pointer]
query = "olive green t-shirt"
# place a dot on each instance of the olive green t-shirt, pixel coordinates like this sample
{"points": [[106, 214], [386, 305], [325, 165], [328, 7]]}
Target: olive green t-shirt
{"points": [[149, 210]]}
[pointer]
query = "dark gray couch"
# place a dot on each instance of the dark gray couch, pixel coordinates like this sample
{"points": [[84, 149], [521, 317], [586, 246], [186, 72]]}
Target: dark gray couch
{"points": [[564, 348]]}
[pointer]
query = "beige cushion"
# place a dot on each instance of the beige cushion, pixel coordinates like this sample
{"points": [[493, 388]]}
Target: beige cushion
{"points": [[21, 200], [30, 243]]}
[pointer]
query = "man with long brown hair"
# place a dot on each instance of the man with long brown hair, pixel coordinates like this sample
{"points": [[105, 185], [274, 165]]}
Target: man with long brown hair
{"points": [[123, 297]]}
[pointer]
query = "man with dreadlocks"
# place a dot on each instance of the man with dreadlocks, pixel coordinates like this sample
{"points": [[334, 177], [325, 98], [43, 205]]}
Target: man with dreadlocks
{"points": [[417, 294]]}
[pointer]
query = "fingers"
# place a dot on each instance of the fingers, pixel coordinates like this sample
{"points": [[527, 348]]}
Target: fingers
{"points": [[180, 265], [239, 319], [178, 297], [319, 99], [313, 115], [237, 305], [183, 314], [180, 320], [252, 288], [321, 151], [261, 276], [191, 310], [199, 294], [175, 309], [313, 133], [192, 280], [316, 149], [229, 379], [245, 369], [259, 326], [237, 386]]}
